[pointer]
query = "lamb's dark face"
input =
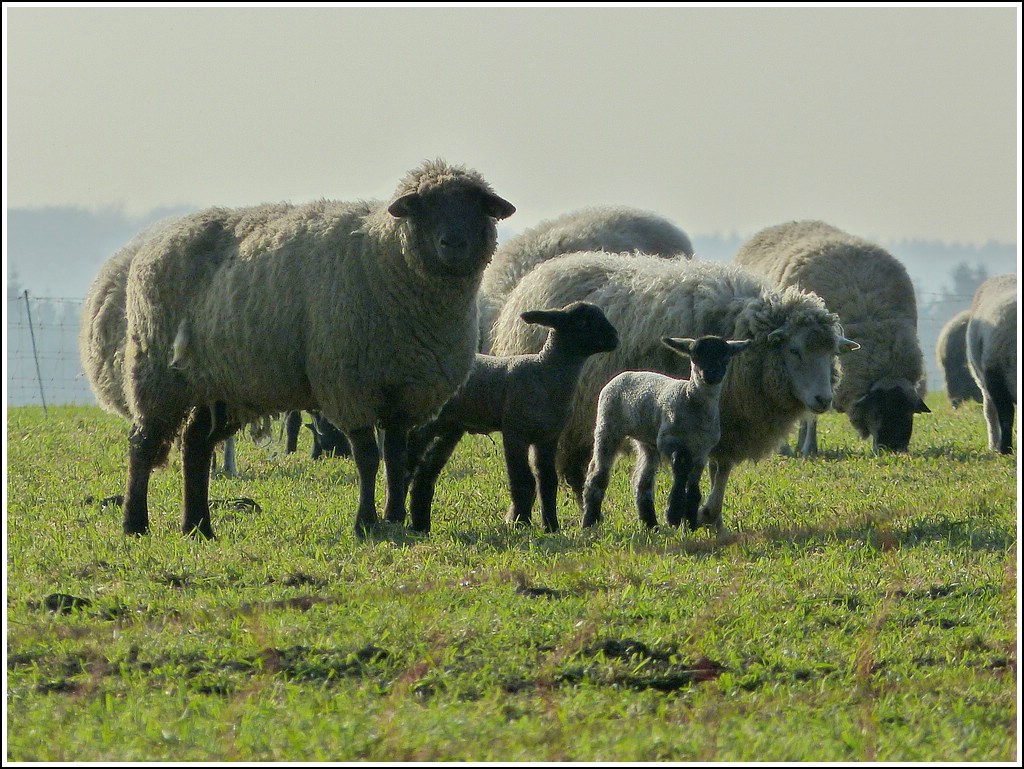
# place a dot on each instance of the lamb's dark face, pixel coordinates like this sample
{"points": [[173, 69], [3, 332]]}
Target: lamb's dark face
{"points": [[710, 355], [453, 230], [887, 415], [581, 325]]}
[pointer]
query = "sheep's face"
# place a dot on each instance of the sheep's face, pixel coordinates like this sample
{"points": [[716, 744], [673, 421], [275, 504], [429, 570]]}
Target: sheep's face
{"points": [[453, 231], [886, 414], [809, 361]]}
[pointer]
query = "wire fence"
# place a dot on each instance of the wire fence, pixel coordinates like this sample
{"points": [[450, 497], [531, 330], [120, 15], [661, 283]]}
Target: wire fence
{"points": [[43, 365]]}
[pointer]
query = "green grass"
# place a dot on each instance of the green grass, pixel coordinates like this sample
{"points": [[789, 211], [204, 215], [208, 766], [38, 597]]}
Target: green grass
{"points": [[865, 608]]}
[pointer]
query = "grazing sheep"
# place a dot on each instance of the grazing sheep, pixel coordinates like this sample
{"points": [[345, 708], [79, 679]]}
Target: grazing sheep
{"points": [[661, 416], [383, 335], [616, 229], [992, 355], [527, 398], [789, 368], [951, 353], [872, 294]]}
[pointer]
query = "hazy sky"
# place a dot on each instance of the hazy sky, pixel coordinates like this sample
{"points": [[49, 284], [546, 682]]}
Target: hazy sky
{"points": [[888, 122]]}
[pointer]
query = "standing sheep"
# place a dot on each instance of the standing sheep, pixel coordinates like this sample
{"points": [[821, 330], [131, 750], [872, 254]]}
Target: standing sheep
{"points": [[872, 294], [527, 398], [615, 229], [789, 368], [662, 417], [992, 355], [378, 326], [951, 354]]}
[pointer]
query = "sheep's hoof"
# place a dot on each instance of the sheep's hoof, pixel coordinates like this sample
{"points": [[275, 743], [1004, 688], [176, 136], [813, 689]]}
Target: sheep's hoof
{"points": [[202, 530]]}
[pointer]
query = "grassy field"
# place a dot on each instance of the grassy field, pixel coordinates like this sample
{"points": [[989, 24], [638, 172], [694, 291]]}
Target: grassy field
{"points": [[865, 609]]}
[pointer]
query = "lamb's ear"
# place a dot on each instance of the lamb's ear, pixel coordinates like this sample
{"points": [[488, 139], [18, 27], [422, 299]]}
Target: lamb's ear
{"points": [[406, 205], [497, 207], [736, 346], [549, 318], [921, 407], [682, 345]]}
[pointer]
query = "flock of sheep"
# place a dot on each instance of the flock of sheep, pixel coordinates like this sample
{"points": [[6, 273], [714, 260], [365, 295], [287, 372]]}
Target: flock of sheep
{"points": [[402, 325]]}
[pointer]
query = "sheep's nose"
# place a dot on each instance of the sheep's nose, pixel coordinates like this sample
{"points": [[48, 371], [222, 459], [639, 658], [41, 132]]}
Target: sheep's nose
{"points": [[821, 403]]}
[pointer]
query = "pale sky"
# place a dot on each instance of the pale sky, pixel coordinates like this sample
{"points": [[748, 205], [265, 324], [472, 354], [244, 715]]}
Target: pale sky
{"points": [[891, 123]]}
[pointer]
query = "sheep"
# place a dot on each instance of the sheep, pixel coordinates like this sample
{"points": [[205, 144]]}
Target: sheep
{"points": [[661, 416], [601, 228], [992, 355], [384, 333], [872, 293], [789, 368], [951, 354], [527, 398]]}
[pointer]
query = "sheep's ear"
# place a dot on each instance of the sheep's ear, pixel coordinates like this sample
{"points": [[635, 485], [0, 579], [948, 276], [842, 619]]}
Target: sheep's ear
{"points": [[406, 205], [549, 318], [498, 207], [736, 346], [682, 345], [921, 407], [846, 345], [777, 337]]}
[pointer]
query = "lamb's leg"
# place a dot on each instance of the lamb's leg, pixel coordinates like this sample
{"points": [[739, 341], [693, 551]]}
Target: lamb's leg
{"points": [[710, 513], [679, 497], [367, 458], [572, 464], [643, 483], [204, 429], [520, 479], [547, 482], [147, 447], [692, 504], [424, 479], [598, 475], [396, 448]]}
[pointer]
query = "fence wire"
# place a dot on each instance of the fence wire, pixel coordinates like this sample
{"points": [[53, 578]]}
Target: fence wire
{"points": [[61, 379]]}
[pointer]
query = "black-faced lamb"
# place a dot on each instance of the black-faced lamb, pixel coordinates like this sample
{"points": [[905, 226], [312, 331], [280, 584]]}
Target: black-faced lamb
{"points": [[661, 416], [873, 296], [992, 355], [527, 398], [383, 335], [951, 354], [615, 229], [790, 367]]}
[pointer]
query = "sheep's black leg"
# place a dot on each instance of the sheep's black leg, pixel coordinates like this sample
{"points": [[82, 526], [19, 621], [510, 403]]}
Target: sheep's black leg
{"points": [[147, 448], [205, 428], [999, 410], [521, 482], [679, 496], [292, 426], [547, 482], [693, 497], [424, 479], [367, 457], [396, 447]]}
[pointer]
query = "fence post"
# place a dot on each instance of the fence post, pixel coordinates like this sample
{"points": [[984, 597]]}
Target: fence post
{"points": [[35, 355]]}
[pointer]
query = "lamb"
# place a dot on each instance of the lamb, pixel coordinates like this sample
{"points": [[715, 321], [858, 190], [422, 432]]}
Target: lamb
{"points": [[951, 353], [601, 228], [527, 398], [789, 368], [992, 355], [384, 335], [661, 416], [872, 293]]}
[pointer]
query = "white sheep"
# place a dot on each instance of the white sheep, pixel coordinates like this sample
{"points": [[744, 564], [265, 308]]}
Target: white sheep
{"points": [[788, 369], [365, 311], [874, 298], [662, 417], [951, 354], [616, 229], [992, 355], [527, 398]]}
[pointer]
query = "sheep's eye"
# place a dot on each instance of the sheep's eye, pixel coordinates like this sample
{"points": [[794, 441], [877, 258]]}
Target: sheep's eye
{"points": [[795, 352]]}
